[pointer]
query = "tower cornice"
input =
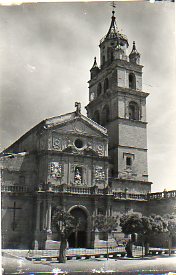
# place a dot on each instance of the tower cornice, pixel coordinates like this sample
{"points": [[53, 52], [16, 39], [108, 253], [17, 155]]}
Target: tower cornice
{"points": [[119, 91], [136, 68]]}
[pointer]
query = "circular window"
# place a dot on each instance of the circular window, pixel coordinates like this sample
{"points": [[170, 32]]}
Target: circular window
{"points": [[78, 143]]}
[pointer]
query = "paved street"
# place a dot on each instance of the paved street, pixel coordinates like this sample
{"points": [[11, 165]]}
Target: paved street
{"points": [[102, 266]]}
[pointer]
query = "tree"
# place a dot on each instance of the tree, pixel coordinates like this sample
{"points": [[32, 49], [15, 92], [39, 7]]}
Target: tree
{"points": [[105, 224], [65, 224], [152, 224], [145, 226], [130, 224], [171, 228]]}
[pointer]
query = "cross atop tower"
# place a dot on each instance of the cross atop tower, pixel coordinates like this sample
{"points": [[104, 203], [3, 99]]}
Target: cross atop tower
{"points": [[113, 5]]}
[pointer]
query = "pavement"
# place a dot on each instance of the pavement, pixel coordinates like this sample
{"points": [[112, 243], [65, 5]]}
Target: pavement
{"points": [[151, 265]]}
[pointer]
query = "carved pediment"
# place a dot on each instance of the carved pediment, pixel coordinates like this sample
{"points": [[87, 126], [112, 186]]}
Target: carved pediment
{"points": [[72, 122], [76, 144], [78, 127], [78, 136]]}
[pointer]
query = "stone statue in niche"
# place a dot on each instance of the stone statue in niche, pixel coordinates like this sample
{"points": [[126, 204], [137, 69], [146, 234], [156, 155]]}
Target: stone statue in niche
{"points": [[55, 170], [99, 174], [78, 175]]}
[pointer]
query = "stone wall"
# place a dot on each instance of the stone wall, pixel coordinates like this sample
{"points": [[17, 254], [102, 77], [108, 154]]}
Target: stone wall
{"points": [[132, 186], [18, 224]]}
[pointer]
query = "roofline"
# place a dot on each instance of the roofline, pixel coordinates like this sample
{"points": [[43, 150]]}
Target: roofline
{"points": [[44, 122], [25, 135]]}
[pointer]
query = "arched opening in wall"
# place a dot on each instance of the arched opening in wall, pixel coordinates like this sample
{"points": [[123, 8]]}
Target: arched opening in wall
{"points": [[132, 81], [78, 238], [96, 117], [133, 111], [106, 84], [105, 115], [99, 89]]}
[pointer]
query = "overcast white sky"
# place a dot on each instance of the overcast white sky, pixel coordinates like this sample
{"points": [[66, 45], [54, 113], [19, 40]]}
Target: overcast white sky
{"points": [[47, 49]]}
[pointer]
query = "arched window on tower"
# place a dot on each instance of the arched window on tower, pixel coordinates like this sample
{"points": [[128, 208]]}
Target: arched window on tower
{"points": [[99, 89], [96, 117], [106, 84], [132, 81], [105, 115], [133, 111]]}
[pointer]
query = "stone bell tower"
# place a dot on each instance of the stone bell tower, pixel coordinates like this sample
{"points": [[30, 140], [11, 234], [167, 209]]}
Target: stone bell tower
{"points": [[117, 102]]}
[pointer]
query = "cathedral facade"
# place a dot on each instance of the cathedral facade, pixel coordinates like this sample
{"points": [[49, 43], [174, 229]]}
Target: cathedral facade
{"points": [[86, 165]]}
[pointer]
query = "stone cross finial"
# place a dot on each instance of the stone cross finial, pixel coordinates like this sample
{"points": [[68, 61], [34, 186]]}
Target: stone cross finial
{"points": [[78, 108]]}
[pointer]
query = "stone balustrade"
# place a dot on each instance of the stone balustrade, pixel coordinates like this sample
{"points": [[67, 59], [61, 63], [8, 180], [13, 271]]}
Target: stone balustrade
{"points": [[138, 196], [71, 189], [162, 195], [116, 194], [93, 190], [15, 188], [132, 196]]}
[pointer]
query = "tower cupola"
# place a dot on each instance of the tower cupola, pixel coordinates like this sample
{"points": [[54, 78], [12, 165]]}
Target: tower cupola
{"points": [[94, 70], [112, 41], [134, 56]]}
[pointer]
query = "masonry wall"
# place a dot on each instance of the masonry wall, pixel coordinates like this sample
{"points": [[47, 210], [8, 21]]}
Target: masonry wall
{"points": [[161, 206], [18, 230], [132, 186]]}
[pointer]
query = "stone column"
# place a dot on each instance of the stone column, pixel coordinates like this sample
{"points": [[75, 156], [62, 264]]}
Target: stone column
{"points": [[49, 216], [68, 171], [38, 215], [92, 237], [37, 228], [44, 222], [106, 174]]}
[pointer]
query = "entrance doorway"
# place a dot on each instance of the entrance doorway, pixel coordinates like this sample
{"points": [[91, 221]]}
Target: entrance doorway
{"points": [[78, 238]]}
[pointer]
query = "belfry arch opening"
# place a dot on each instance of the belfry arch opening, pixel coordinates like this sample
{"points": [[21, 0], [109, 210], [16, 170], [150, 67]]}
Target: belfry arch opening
{"points": [[106, 85], [105, 115], [132, 81], [133, 111], [78, 238], [99, 89]]}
